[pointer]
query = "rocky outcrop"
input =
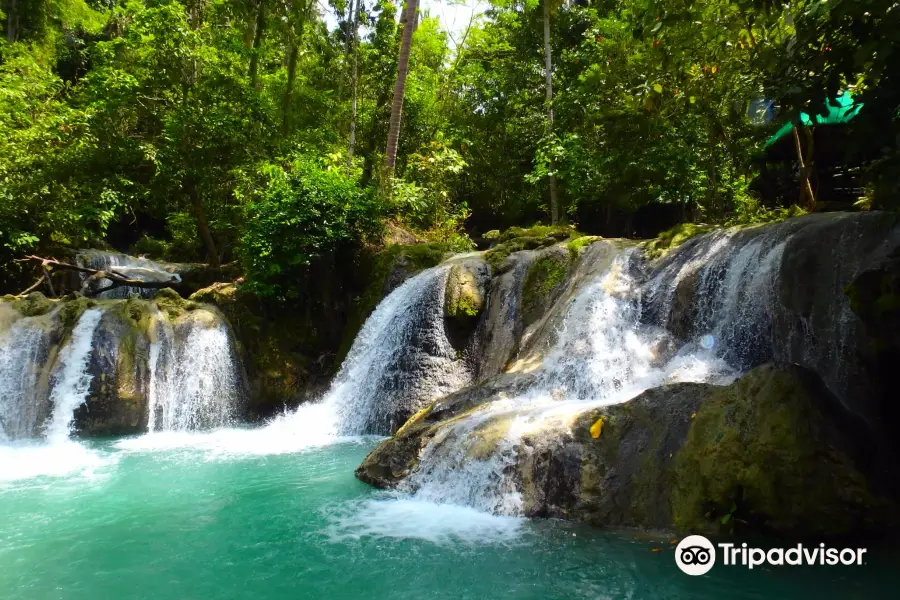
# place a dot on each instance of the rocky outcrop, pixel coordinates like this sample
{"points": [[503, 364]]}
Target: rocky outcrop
{"points": [[119, 361], [117, 403], [835, 269], [774, 452]]}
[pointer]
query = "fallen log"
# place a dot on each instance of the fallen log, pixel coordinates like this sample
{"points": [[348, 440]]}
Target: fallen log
{"points": [[115, 278]]}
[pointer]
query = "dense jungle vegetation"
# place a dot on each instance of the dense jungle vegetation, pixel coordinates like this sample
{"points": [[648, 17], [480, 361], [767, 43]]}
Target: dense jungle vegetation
{"points": [[252, 131]]}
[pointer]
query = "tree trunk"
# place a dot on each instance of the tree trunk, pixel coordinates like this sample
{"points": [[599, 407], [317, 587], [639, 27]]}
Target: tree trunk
{"points": [[353, 85], [257, 41], [203, 226], [548, 76], [807, 196], [293, 55], [250, 28], [12, 21], [390, 156]]}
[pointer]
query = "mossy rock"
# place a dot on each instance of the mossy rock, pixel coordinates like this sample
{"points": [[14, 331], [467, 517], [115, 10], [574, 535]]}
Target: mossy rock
{"points": [[517, 239], [170, 302], [33, 305], [71, 311], [543, 281], [672, 238], [464, 298], [772, 453], [577, 245]]}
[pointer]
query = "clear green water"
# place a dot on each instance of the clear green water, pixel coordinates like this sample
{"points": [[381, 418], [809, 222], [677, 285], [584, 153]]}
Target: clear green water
{"points": [[167, 521]]}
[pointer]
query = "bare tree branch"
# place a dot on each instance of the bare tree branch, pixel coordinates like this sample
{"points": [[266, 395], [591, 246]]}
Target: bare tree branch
{"points": [[117, 279]]}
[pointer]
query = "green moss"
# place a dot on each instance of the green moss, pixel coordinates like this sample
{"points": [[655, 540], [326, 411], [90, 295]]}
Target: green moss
{"points": [[756, 443], [542, 280], [516, 239], [493, 234], [577, 245], [72, 311], [672, 238], [170, 302], [463, 298], [557, 232], [33, 305]]}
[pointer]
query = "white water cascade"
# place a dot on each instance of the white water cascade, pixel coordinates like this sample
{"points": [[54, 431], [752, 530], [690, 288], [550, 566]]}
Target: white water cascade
{"points": [[607, 351], [195, 379], [401, 356], [22, 347], [71, 383]]}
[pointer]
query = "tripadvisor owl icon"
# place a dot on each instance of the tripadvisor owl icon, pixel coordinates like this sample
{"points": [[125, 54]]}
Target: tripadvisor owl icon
{"points": [[695, 555]]}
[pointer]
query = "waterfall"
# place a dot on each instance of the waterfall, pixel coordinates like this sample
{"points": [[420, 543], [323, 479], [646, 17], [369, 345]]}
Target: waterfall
{"points": [[195, 375], [22, 349], [71, 383], [128, 266], [611, 345], [400, 359]]}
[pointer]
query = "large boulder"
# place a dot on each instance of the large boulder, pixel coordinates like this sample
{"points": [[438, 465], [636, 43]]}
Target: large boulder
{"points": [[773, 452], [835, 273]]}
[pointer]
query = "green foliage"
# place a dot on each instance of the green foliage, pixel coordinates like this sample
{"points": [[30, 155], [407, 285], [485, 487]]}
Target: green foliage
{"points": [[154, 118], [303, 213], [672, 238]]}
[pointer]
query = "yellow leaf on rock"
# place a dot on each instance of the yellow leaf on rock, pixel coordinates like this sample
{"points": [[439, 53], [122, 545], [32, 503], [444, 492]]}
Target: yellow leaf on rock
{"points": [[596, 428]]}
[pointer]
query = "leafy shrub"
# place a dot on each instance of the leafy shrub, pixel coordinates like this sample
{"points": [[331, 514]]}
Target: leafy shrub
{"points": [[303, 213]]}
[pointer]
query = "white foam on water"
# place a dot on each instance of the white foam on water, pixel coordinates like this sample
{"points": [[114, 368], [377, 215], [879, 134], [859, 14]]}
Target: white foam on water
{"points": [[310, 426], [412, 518], [24, 461]]}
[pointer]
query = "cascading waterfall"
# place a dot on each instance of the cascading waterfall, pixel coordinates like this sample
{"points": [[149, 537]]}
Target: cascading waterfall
{"points": [[71, 383], [401, 356], [195, 379], [129, 266], [22, 347], [611, 345]]}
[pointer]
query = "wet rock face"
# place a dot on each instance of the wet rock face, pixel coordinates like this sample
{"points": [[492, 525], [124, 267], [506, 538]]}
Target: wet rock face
{"points": [[775, 452], [395, 458], [464, 300], [117, 403], [828, 263]]}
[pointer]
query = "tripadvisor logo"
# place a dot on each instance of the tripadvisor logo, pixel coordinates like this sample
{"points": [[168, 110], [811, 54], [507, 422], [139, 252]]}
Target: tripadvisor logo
{"points": [[696, 555]]}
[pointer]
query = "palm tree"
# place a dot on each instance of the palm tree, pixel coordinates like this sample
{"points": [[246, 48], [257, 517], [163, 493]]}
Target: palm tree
{"points": [[409, 24]]}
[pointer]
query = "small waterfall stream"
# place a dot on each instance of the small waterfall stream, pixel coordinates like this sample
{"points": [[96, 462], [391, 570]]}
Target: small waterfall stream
{"points": [[400, 356], [194, 375], [71, 382], [22, 347], [129, 266]]}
